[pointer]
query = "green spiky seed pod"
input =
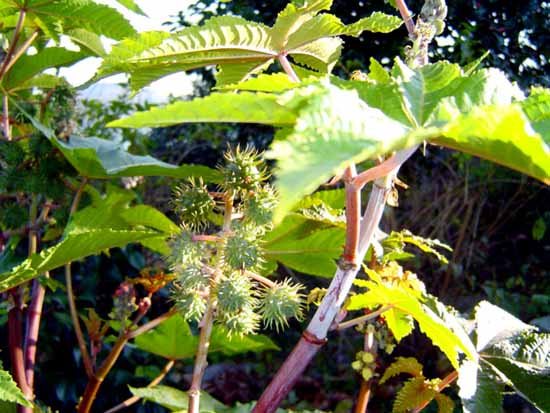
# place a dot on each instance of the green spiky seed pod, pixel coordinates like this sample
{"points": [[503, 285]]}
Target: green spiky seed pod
{"points": [[281, 302], [234, 293], [240, 323], [193, 203], [185, 252], [259, 206], [189, 303], [192, 278], [244, 170], [241, 253]]}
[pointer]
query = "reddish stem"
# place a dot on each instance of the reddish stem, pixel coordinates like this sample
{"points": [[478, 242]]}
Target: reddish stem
{"points": [[288, 374], [353, 216], [407, 17], [288, 68], [363, 398], [448, 380], [34, 315], [15, 339]]}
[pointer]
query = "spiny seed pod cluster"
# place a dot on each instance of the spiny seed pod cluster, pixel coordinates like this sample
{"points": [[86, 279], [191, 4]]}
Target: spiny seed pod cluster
{"points": [[364, 364], [193, 203], [219, 267]]}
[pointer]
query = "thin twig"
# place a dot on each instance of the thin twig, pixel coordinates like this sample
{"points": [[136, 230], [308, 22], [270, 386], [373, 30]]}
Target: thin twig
{"points": [[407, 17], [6, 129], [150, 324], [447, 381], [383, 169], [261, 279], [208, 319], [13, 43], [362, 319], [21, 50], [131, 400], [86, 360], [288, 68]]}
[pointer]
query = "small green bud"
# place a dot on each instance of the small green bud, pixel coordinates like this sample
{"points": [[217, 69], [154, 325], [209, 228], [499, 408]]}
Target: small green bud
{"points": [[371, 329], [367, 357], [235, 293], [367, 373], [389, 348], [357, 365], [193, 203], [281, 302]]}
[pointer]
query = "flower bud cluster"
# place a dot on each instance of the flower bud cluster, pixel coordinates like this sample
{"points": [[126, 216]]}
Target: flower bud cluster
{"points": [[365, 364], [218, 266]]}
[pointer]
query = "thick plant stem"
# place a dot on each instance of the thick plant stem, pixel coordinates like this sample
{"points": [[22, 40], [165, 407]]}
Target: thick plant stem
{"points": [[34, 315], [353, 216], [15, 339], [316, 332], [131, 400], [208, 320]]}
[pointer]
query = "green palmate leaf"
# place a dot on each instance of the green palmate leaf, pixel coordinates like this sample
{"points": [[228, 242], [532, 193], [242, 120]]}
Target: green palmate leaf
{"points": [[223, 39], [408, 365], [327, 25], [501, 134], [537, 109], [132, 6], [413, 393], [220, 107], [9, 391], [530, 382], [74, 247], [444, 403], [293, 17], [176, 400], [60, 16], [377, 72], [106, 224], [334, 128], [41, 81], [481, 391], [173, 340], [315, 254], [276, 82], [241, 48], [494, 325], [396, 242], [524, 360], [28, 66], [404, 304], [103, 159], [88, 40], [147, 216]]}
